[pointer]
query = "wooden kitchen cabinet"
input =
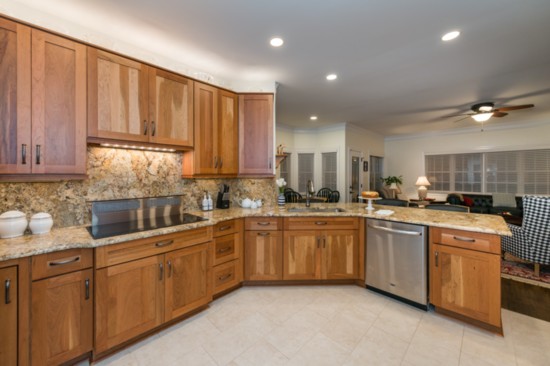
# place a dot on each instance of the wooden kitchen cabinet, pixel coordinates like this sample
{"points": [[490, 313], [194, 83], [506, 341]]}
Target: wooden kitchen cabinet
{"points": [[465, 275], [256, 156], [216, 134], [228, 243], [130, 101], [62, 306], [263, 249], [44, 117]]}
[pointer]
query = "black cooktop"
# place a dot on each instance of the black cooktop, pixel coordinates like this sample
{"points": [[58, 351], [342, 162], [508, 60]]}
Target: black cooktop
{"points": [[128, 227]]}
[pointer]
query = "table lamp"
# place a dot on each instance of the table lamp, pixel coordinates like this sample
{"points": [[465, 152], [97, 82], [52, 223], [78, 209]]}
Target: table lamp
{"points": [[393, 188], [422, 182]]}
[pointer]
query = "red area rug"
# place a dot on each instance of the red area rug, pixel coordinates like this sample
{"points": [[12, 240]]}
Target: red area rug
{"points": [[525, 270]]}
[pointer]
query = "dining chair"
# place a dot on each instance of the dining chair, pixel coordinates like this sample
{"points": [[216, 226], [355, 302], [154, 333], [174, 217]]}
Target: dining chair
{"points": [[443, 207]]}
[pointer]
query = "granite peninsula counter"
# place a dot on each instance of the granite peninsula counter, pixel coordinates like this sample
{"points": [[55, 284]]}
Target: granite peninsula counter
{"points": [[79, 237]]}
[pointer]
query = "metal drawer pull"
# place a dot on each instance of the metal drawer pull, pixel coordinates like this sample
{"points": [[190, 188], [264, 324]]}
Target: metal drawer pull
{"points": [[318, 243], [223, 228], [7, 287], [145, 127], [38, 148], [324, 242], [163, 243], [65, 261], [437, 259], [23, 153], [161, 271], [87, 286], [215, 162], [264, 223], [221, 162], [264, 234], [169, 268], [153, 128], [222, 278], [463, 238], [320, 222], [223, 250], [395, 231]]}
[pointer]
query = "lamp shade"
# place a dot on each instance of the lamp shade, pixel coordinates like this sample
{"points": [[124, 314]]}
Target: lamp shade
{"points": [[422, 181], [482, 117], [393, 186]]}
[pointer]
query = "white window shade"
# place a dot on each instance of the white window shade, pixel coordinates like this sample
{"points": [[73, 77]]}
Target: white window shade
{"points": [[330, 171], [305, 170]]}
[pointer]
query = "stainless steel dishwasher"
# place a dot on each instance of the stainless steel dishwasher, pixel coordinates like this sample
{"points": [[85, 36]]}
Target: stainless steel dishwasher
{"points": [[397, 255]]}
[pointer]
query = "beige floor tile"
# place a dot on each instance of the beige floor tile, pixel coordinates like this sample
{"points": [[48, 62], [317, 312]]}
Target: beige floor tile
{"points": [[279, 313], [399, 319], [440, 330], [348, 326], [492, 348], [469, 360], [320, 351], [289, 337], [425, 350], [378, 348], [261, 353]]}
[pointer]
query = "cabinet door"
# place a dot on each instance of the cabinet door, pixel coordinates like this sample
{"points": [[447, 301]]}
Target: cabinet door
{"points": [[256, 134], [206, 129], [8, 316], [15, 98], [228, 132], [340, 254], [301, 255], [58, 105], [129, 300], [117, 97], [263, 256], [466, 282], [170, 108], [188, 279], [62, 314]]}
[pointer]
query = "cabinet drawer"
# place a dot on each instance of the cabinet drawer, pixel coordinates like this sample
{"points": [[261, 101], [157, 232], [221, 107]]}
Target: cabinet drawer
{"points": [[56, 263], [321, 223], [225, 227], [141, 248], [227, 275], [263, 223], [466, 239], [226, 248]]}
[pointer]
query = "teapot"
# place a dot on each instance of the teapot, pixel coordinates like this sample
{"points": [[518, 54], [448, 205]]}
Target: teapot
{"points": [[258, 203], [246, 203]]}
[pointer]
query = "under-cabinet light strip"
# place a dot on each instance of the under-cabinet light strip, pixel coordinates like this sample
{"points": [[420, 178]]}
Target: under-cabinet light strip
{"points": [[162, 149]]}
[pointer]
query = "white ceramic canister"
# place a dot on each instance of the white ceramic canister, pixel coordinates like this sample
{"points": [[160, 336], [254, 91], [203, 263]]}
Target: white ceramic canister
{"points": [[41, 223], [12, 224]]}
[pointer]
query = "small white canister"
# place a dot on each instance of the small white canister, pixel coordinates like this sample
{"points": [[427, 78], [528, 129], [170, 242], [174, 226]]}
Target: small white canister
{"points": [[41, 223], [12, 224]]}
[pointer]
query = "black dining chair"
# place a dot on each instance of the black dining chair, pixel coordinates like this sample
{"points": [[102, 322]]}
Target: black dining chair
{"points": [[324, 192], [292, 196], [392, 202], [442, 207], [334, 197]]}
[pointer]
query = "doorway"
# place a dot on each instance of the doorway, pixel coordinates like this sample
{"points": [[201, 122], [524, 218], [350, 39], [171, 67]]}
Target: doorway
{"points": [[354, 176]]}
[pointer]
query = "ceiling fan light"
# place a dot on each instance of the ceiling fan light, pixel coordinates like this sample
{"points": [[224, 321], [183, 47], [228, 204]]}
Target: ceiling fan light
{"points": [[482, 117]]}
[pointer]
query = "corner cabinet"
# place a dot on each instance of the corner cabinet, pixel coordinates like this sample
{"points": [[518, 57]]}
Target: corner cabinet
{"points": [[256, 155], [43, 119], [465, 276], [129, 101]]}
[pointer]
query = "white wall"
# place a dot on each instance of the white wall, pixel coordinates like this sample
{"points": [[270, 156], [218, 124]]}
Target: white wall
{"points": [[366, 142], [405, 156]]}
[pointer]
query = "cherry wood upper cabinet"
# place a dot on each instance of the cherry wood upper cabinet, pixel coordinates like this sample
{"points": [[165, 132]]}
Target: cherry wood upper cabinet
{"points": [[256, 134], [228, 132], [130, 101]]}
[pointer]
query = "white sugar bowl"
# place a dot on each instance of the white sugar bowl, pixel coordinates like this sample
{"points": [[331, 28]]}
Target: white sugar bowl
{"points": [[41, 223], [12, 224]]}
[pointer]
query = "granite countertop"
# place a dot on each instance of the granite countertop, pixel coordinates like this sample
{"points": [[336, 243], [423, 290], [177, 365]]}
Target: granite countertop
{"points": [[79, 237]]}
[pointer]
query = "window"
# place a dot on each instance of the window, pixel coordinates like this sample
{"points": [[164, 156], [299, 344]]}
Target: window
{"points": [[375, 177], [305, 170], [518, 172], [329, 170], [284, 169]]}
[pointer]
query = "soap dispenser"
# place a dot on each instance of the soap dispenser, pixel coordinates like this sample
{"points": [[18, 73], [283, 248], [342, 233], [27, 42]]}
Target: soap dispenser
{"points": [[205, 203]]}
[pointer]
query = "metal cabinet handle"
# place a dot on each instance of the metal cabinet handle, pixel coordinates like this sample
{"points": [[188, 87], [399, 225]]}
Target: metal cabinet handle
{"points": [[437, 259], [38, 154], [23, 153], [318, 242], [87, 286], [264, 223], [215, 162], [144, 127], [324, 242], [65, 261], [463, 238], [161, 271], [223, 250], [223, 228], [221, 162], [7, 287], [164, 243], [223, 278], [264, 234], [153, 128], [169, 268], [320, 222]]}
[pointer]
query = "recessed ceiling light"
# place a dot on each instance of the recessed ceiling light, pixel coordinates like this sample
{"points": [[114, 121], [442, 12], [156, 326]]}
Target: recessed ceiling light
{"points": [[450, 36], [313, 118], [276, 42], [332, 77]]}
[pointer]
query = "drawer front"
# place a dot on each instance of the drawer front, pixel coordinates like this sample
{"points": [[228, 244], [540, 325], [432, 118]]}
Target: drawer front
{"points": [[263, 223], [321, 223], [227, 275], [466, 239], [56, 263], [226, 248], [225, 227], [141, 248]]}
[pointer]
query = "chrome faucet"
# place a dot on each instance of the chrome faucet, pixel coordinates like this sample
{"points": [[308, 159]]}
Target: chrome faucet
{"points": [[309, 191]]}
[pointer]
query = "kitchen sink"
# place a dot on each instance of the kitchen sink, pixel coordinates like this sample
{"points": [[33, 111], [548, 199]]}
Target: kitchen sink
{"points": [[315, 209]]}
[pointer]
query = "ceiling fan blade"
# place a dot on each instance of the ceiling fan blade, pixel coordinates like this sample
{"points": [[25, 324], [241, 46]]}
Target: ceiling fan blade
{"points": [[458, 115], [499, 114], [462, 119], [513, 107]]}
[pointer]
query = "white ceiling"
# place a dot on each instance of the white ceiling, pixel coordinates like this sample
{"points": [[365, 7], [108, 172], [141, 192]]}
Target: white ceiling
{"points": [[395, 75]]}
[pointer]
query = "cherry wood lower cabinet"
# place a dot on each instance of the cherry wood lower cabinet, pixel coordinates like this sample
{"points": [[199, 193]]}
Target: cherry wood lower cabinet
{"points": [[465, 275], [8, 316], [263, 249], [62, 306], [228, 243]]}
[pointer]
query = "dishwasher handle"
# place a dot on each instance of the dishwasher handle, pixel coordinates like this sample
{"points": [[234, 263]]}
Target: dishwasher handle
{"points": [[395, 231]]}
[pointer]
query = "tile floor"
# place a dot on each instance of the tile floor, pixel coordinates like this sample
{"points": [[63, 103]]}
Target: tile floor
{"points": [[333, 325]]}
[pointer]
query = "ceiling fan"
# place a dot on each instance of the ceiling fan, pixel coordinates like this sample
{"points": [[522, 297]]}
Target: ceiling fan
{"points": [[481, 112]]}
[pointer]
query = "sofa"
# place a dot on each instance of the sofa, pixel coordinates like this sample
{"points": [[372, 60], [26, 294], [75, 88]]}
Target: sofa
{"points": [[482, 203]]}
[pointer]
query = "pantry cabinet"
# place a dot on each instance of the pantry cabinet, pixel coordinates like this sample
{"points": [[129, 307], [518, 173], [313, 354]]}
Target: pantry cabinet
{"points": [[43, 117]]}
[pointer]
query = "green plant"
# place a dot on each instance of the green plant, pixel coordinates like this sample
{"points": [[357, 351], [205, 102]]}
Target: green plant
{"points": [[392, 179]]}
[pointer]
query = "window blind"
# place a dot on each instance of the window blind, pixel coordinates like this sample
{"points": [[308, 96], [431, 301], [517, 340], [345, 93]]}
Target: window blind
{"points": [[284, 169], [329, 170], [305, 170]]}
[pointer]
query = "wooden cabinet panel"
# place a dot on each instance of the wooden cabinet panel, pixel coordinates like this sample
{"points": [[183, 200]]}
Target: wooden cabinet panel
{"points": [[466, 282], [15, 98], [129, 300], [321, 223], [227, 275], [263, 255], [58, 105], [205, 154], [226, 227], [256, 134], [468, 240], [226, 248], [228, 133], [170, 108], [340, 255], [56, 263], [62, 316], [188, 280], [301, 255], [263, 223], [8, 316]]}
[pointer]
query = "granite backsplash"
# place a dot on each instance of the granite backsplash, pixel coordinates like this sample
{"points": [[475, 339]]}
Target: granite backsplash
{"points": [[116, 174]]}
